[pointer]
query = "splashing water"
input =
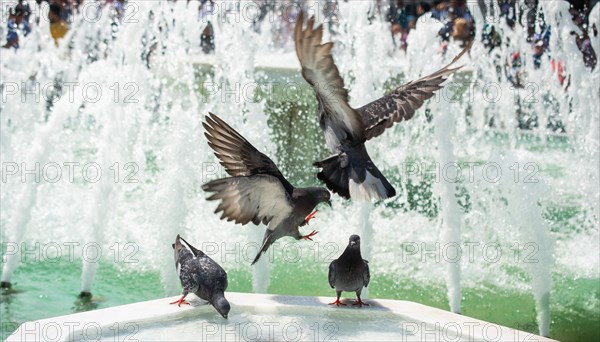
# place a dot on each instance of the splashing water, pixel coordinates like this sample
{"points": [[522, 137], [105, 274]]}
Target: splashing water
{"points": [[145, 135]]}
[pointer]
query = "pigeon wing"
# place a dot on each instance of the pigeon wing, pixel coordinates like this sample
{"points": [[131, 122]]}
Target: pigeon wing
{"points": [[401, 104], [213, 276], [332, 274], [366, 274], [188, 272], [256, 199], [319, 70], [236, 154]]}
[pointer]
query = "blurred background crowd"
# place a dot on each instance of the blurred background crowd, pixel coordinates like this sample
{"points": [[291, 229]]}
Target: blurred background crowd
{"points": [[455, 16]]}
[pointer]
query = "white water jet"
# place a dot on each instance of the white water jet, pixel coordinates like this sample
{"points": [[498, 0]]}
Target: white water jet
{"points": [[108, 117], [180, 153], [582, 95], [23, 210], [524, 209], [99, 210], [35, 150], [234, 74], [445, 130], [356, 34], [451, 217]]}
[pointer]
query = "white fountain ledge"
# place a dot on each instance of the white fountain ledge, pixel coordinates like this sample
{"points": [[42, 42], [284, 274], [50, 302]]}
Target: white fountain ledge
{"points": [[419, 322]]}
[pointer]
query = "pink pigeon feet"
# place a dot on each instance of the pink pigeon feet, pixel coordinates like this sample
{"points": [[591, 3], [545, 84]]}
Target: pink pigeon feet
{"points": [[180, 301], [337, 303], [308, 237], [310, 217]]}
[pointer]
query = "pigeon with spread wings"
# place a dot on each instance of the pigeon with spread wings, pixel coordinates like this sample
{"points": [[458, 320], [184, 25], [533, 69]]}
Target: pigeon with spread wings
{"points": [[350, 172], [257, 192]]}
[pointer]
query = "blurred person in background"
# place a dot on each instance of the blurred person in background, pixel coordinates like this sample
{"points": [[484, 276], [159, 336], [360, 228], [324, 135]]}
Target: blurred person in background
{"points": [[26, 24], [403, 16], [398, 16], [16, 17], [580, 11], [490, 38], [458, 24], [462, 32], [539, 45], [58, 26], [207, 38]]}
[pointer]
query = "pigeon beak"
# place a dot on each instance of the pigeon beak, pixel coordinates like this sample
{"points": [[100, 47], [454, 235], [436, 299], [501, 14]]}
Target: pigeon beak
{"points": [[352, 243]]}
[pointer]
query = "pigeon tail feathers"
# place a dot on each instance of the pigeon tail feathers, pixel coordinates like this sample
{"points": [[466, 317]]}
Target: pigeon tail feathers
{"points": [[341, 177], [335, 174], [375, 186], [267, 241]]}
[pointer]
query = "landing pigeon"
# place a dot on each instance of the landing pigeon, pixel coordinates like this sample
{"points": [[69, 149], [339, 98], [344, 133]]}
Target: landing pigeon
{"points": [[350, 172], [200, 275], [349, 272], [257, 191]]}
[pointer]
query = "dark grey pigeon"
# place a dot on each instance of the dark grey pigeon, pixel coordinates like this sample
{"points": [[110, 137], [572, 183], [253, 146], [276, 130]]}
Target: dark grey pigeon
{"points": [[201, 275], [350, 172], [349, 272], [257, 191]]}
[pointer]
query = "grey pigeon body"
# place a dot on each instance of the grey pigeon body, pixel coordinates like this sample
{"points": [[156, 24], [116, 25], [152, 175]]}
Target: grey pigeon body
{"points": [[350, 172], [349, 272], [257, 192], [200, 275]]}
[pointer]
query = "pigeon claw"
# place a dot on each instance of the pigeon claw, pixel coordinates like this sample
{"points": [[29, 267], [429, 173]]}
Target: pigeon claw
{"points": [[308, 237], [337, 303], [360, 303], [180, 301], [310, 217]]}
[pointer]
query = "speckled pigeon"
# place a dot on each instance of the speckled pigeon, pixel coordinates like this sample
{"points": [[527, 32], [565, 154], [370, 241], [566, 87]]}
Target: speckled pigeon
{"points": [[350, 172], [349, 272], [257, 191], [200, 275]]}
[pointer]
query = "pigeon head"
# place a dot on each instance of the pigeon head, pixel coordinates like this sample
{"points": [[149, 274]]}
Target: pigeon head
{"points": [[222, 306], [177, 248], [354, 241]]}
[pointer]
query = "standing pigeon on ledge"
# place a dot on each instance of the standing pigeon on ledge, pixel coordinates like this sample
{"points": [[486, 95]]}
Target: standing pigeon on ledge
{"points": [[350, 172], [200, 275], [257, 191], [349, 272]]}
